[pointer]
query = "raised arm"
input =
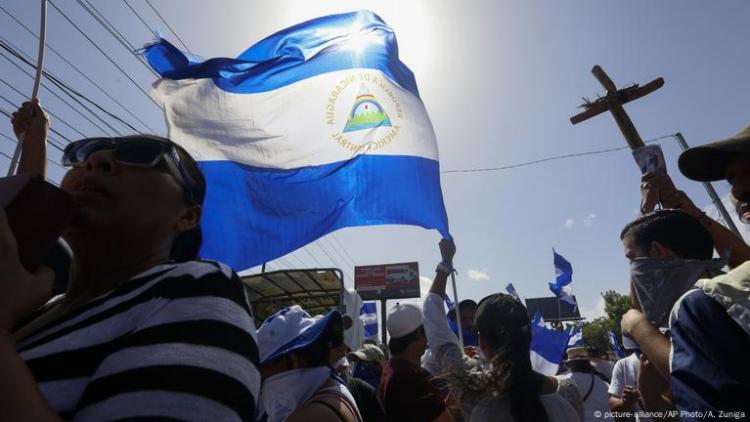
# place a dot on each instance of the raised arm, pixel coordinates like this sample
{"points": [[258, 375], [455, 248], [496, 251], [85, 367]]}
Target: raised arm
{"points": [[657, 187], [447, 251], [30, 125]]}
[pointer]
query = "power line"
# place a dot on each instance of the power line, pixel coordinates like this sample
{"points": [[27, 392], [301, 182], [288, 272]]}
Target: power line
{"points": [[53, 93], [336, 251], [335, 263], [544, 160], [300, 263], [8, 114], [51, 161], [148, 28], [335, 239], [80, 72], [313, 257], [70, 91], [48, 111], [66, 89], [168, 26], [116, 34], [104, 53], [285, 263], [346, 264], [6, 155]]}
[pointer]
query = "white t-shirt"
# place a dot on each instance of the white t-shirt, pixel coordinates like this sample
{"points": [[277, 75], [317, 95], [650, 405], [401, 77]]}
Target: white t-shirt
{"points": [[597, 402], [624, 374]]}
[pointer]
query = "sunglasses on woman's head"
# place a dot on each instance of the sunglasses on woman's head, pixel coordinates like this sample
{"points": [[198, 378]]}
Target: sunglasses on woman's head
{"points": [[133, 151]]}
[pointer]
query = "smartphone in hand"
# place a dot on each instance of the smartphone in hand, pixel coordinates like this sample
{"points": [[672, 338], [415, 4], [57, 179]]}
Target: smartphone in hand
{"points": [[38, 212]]}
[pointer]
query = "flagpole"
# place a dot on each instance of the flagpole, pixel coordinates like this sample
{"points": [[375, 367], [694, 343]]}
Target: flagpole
{"points": [[37, 82], [458, 311]]}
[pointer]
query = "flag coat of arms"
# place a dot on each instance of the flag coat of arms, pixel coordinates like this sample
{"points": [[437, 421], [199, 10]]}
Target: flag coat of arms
{"points": [[319, 126]]}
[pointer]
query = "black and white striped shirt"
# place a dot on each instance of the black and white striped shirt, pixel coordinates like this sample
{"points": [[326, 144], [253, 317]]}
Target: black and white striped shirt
{"points": [[174, 342]]}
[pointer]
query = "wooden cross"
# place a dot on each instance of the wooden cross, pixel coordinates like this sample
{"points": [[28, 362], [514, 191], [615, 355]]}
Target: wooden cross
{"points": [[613, 102]]}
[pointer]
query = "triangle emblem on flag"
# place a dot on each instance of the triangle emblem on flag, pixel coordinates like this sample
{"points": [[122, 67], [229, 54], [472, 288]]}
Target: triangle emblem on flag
{"points": [[366, 113]]}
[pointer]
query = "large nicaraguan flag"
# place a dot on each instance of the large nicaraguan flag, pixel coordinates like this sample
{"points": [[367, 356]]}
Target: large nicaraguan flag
{"points": [[317, 127], [547, 347], [561, 287]]}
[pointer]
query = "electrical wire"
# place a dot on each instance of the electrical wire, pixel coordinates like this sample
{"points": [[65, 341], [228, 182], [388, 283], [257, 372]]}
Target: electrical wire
{"points": [[313, 257], [70, 91], [335, 239], [9, 115], [54, 144], [544, 160], [116, 34], [56, 95], [140, 88], [145, 24], [67, 90], [78, 70], [57, 118], [168, 26]]}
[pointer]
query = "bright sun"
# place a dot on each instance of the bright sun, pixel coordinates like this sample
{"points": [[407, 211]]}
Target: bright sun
{"points": [[409, 19]]}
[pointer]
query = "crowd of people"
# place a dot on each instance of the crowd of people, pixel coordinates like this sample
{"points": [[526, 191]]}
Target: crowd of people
{"points": [[159, 333]]}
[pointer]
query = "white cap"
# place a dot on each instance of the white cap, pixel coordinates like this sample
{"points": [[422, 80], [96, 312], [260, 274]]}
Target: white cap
{"points": [[403, 318]]}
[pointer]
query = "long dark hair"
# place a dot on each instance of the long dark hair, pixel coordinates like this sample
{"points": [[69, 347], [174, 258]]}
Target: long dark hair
{"points": [[504, 326]]}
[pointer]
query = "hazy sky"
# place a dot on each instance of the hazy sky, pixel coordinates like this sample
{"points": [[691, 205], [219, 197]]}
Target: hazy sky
{"points": [[500, 80]]}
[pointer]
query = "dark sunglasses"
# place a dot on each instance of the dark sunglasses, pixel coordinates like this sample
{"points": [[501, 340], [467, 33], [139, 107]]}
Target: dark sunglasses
{"points": [[134, 151]]}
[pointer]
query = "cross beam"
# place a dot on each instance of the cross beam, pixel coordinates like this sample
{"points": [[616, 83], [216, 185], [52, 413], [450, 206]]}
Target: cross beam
{"points": [[613, 101]]}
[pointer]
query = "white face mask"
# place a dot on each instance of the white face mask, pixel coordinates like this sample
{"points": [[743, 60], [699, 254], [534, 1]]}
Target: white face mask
{"points": [[282, 393], [658, 283]]}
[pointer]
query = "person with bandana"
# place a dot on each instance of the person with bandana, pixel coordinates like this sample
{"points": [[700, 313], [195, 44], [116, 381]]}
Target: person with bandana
{"points": [[368, 364], [299, 383], [704, 355]]}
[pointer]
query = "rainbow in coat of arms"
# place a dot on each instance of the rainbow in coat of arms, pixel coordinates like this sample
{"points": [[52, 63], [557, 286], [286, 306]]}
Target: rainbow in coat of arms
{"points": [[366, 113]]}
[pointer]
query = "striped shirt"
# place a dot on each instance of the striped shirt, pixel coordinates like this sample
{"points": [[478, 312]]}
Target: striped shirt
{"points": [[174, 342]]}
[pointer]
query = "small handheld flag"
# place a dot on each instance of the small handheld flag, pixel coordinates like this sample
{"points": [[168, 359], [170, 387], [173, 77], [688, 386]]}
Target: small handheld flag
{"points": [[369, 317], [576, 336], [561, 287], [615, 344], [547, 347], [512, 291]]}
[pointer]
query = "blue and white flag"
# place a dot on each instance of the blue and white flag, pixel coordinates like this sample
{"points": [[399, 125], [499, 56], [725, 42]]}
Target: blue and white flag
{"points": [[369, 317], [538, 320], [615, 344], [547, 347], [512, 291], [320, 126], [564, 277], [576, 336], [449, 303]]}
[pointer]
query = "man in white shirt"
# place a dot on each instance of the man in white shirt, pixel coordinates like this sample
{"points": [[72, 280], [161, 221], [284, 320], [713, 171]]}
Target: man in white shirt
{"points": [[591, 385], [624, 394]]}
